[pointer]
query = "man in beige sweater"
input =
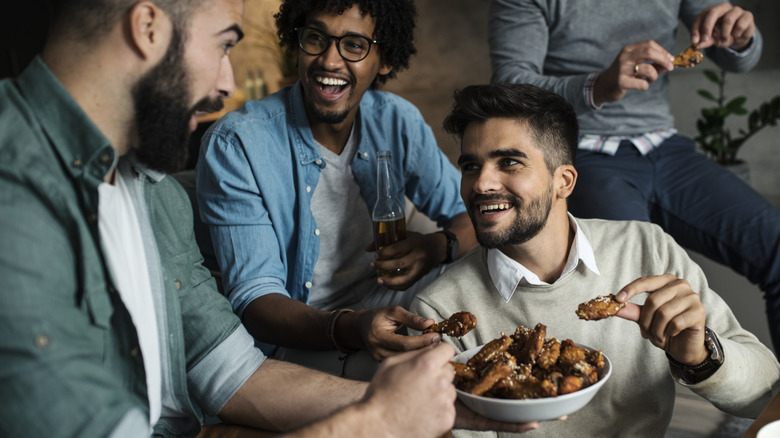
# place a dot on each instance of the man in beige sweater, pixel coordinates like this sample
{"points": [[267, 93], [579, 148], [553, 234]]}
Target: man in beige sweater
{"points": [[537, 263]]}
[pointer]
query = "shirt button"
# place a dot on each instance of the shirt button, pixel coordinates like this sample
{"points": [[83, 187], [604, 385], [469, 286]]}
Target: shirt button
{"points": [[42, 341], [92, 218], [76, 162], [317, 232], [308, 189], [308, 285], [135, 352], [318, 161], [105, 159], [177, 284], [365, 154]]}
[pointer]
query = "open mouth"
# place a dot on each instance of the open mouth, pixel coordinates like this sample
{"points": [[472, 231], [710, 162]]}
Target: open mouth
{"points": [[491, 209], [331, 87]]}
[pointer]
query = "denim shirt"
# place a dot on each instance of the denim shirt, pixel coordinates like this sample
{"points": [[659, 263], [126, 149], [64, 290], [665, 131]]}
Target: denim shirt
{"points": [[70, 361], [258, 169]]}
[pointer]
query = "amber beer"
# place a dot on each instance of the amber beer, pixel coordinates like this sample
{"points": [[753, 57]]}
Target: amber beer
{"points": [[387, 233], [388, 214]]}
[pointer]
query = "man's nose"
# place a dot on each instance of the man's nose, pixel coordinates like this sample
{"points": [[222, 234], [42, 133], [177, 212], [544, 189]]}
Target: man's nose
{"points": [[488, 180], [331, 58], [226, 83]]}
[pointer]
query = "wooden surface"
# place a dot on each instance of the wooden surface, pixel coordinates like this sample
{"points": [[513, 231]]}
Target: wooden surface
{"points": [[227, 431], [768, 415]]}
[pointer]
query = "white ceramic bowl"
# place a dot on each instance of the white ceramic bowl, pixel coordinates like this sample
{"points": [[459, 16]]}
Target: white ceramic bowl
{"points": [[770, 430], [539, 409]]}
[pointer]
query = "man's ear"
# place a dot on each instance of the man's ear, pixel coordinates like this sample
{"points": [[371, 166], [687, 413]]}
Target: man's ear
{"points": [[385, 69], [149, 30], [566, 178]]}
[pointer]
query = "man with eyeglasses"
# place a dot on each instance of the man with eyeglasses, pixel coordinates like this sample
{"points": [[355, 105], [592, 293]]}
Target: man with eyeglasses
{"points": [[287, 184]]}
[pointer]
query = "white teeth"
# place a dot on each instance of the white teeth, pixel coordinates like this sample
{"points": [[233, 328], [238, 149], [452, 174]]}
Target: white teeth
{"points": [[484, 208], [331, 81]]}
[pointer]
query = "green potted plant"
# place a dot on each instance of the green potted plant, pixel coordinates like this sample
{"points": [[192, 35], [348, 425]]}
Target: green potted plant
{"points": [[714, 138]]}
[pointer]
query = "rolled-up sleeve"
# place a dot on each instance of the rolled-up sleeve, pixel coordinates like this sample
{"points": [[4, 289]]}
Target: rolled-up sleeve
{"points": [[232, 204], [215, 379]]}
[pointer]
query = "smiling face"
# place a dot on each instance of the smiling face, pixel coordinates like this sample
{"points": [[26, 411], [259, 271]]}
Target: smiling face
{"points": [[505, 184], [193, 76], [332, 86]]}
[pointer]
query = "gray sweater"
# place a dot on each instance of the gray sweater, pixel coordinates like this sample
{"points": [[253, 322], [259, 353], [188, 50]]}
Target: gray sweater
{"points": [[557, 44], [638, 399]]}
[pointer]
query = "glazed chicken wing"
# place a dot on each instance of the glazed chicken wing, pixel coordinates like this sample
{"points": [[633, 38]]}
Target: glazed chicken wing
{"points": [[599, 308], [526, 365], [456, 325], [689, 57]]}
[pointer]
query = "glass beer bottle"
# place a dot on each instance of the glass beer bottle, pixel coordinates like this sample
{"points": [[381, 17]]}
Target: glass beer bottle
{"points": [[388, 215]]}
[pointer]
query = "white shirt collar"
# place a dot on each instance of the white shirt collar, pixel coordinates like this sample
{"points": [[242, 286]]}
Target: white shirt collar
{"points": [[507, 274]]}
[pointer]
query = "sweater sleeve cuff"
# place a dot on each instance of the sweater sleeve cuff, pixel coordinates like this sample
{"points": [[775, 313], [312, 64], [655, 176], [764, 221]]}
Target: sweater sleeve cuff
{"points": [[590, 82]]}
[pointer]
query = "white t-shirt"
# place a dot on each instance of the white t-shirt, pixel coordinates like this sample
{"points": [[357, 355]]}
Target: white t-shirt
{"points": [[123, 245]]}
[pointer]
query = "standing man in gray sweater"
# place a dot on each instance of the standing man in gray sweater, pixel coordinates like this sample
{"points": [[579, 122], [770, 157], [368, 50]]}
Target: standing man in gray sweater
{"points": [[537, 263], [610, 59]]}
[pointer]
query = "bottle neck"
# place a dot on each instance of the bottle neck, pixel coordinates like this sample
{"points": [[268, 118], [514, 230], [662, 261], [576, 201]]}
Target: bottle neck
{"points": [[384, 179]]}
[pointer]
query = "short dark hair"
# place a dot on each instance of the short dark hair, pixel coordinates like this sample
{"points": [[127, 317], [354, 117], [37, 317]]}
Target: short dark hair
{"points": [[87, 20], [552, 120], [395, 22]]}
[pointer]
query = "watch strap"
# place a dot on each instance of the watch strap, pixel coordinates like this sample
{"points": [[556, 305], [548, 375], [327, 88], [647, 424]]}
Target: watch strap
{"points": [[692, 374], [452, 246]]}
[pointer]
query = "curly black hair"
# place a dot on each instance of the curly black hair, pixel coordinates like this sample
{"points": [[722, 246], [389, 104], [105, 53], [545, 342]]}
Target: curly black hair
{"points": [[395, 21]]}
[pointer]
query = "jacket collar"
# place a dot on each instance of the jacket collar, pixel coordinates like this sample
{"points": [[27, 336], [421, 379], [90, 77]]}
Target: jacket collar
{"points": [[82, 147]]}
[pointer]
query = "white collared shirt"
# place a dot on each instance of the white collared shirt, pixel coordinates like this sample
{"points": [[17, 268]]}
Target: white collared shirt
{"points": [[507, 274]]}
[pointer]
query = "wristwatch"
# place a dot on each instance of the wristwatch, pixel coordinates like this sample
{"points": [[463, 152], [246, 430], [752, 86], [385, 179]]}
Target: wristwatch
{"points": [[452, 246], [691, 374]]}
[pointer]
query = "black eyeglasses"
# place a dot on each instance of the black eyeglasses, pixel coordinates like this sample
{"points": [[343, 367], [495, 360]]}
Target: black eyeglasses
{"points": [[352, 48]]}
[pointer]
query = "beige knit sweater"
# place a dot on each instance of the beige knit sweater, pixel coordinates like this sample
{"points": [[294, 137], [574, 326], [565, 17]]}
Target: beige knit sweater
{"points": [[638, 399]]}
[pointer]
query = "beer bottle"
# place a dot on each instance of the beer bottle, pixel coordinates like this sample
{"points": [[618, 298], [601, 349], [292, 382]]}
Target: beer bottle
{"points": [[388, 215]]}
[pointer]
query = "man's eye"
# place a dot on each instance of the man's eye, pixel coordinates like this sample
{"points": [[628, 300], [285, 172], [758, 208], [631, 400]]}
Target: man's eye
{"points": [[466, 167], [508, 162], [354, 45], [315, 38], [227, 47]]}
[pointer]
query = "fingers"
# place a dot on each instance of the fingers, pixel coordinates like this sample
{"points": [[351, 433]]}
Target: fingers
{"points": [[670, 309], [401, 264], [723, 25], [635, 67], [381, 338], [414, 392], [470, 420], [649, 55]]}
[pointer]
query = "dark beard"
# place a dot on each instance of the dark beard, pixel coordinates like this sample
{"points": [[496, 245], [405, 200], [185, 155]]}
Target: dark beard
{"points": [[161, 100], [527, 224], [329, 117]]}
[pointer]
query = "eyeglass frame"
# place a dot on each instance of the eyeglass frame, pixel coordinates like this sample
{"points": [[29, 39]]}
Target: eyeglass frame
{"points": [[330, 37]]}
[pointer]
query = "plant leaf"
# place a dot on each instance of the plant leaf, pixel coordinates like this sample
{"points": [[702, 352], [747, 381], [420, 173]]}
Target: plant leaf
{"points": [[712, 75], [707, 95], [737, 103]]}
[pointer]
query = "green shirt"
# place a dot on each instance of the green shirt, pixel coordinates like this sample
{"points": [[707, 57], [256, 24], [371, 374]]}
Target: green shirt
{"points": [[70, 362]]}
